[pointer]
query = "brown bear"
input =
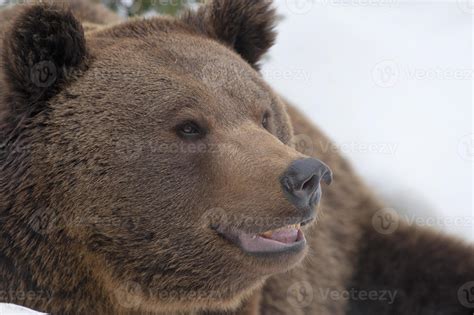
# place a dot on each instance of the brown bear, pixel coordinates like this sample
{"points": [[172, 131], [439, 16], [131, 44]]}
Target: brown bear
{"points": [[147, 168]]}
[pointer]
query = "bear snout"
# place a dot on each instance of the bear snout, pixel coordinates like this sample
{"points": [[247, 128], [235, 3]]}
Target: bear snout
{"points": [[301, 182]]}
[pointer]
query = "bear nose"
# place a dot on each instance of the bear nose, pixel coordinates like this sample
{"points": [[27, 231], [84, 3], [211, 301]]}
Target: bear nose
{"points": [[301, 182]]}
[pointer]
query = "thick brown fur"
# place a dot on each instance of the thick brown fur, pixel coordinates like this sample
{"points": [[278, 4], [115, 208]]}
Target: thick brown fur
{"points": [[103, 210]]}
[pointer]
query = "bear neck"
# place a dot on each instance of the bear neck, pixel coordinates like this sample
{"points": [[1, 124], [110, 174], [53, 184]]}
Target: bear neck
{"points": [[39, 268]]}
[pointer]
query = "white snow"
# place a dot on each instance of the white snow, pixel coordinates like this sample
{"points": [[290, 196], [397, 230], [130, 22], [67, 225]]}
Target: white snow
{"points": [[10, 309], [391, 82]]}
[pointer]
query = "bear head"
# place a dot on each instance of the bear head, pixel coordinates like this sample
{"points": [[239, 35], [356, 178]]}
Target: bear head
{"points": [[156, 151]]}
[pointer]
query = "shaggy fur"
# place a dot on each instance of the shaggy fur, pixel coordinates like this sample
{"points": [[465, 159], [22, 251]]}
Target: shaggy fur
{"points": [[103, 210], [245, 25]]}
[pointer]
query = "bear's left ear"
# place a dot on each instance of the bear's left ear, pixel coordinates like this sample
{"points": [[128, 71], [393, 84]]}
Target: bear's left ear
{"points": [[247, 26], [44, 46]]}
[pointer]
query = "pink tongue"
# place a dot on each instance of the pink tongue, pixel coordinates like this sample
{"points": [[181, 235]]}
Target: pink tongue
{"points": [[286, 236]]}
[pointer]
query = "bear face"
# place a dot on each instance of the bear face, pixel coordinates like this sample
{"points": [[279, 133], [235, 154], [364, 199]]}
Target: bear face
{"points": [[157, 151]]}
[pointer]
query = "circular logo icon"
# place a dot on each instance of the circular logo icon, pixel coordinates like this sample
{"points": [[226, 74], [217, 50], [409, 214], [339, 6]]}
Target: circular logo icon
{"points": [[300, 294], [386, 73], [44, 223], [466, 6], [466, 147], [129, 295], [213, 217], [466, 294], [43, 74], [386, 221], [300, 6], [129, 150], [303, 143]]}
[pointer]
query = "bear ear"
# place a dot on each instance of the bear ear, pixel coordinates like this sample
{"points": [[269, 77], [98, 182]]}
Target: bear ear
{"points": [[43, 47], [247, 26]]}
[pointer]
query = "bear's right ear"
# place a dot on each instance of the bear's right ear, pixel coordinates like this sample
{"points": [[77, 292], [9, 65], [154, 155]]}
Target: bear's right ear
{"points": [[246, 26], [44, 46]]}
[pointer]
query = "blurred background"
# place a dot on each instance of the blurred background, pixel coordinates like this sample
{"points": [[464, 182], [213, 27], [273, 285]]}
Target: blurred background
{"points": [[391, 82]]}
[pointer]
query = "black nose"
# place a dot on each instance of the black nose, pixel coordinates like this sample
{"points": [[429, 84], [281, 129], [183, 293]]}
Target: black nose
{"points": [[301, 180]]}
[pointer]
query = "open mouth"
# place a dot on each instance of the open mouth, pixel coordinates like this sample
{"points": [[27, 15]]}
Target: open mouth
{"points": [[285, 239]]}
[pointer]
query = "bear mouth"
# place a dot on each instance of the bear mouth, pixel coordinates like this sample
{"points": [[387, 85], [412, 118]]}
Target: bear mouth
{"points": [[282, 240]]}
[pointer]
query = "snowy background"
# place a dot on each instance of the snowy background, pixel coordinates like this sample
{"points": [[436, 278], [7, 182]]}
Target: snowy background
{"points": [[391, 82]]}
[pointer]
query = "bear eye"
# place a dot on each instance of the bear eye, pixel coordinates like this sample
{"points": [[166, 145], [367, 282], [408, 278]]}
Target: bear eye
{"points": [[190, 130], [266, 120]]}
